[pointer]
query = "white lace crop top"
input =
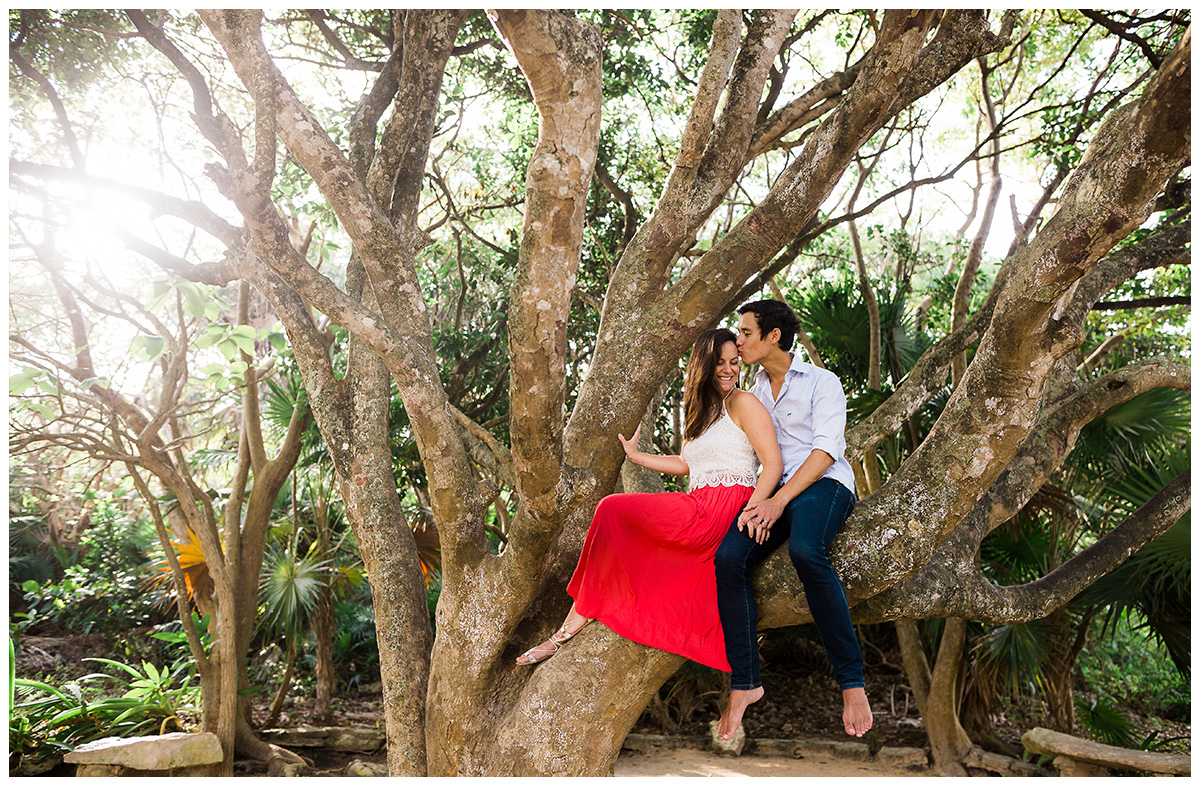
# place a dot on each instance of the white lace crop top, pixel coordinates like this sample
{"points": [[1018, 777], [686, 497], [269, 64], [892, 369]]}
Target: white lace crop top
{"points": [[721, 457]]}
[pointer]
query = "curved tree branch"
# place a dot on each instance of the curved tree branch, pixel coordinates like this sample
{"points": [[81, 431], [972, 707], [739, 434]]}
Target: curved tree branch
{"points": [[936, 589], [994, 604]]}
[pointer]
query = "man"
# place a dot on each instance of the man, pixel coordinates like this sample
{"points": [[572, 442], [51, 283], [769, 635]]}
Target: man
{"points": [[807, 511]]}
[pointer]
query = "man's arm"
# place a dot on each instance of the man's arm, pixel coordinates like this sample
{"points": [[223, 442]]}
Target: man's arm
{"points": [[829, 438], [759, 517]]}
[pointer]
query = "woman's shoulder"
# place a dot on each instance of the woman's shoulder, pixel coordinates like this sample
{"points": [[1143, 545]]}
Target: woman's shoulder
{"points": [[741, 403]]}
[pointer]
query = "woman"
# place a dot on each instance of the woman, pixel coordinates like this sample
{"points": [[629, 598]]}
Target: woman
{"points": [[646, 570]]}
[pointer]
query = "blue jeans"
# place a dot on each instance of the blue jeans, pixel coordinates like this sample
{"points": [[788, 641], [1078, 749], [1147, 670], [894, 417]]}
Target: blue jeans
{"points": [[809, 524]]}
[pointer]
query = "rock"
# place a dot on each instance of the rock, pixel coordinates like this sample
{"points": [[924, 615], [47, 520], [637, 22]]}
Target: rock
{"points": [[32, 767], [847, 750], [1069, 767], [150, 753], [1003, 765], [355, 739], [366, 769], [295, 770], [649, 742], [1047, 742], [304, 736], [903, 756], [731, 746], [105, 770], [344, 739]]}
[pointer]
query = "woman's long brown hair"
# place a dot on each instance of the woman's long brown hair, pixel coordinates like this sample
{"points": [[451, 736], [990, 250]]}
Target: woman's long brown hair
{"points": [[701, 394]]}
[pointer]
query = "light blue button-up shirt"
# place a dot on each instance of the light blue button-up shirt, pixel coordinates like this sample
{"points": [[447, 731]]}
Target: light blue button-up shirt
{"points": [[810, 413]]}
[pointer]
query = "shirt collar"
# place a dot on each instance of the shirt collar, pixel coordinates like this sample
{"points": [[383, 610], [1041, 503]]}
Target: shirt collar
{"points": [[799, 367]]}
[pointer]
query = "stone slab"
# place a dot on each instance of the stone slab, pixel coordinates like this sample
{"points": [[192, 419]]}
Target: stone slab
{"points": [[1044, 741], [848, 750], [150, 753], [366, 769], [648, 742], [341, 738]]}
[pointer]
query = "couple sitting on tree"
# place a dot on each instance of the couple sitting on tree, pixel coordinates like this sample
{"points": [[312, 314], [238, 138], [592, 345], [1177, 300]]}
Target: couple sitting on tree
{"points": [[647, 567]]}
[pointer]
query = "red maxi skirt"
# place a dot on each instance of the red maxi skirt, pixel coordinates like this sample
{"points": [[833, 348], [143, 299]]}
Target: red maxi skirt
{"points": [[646, 571]]}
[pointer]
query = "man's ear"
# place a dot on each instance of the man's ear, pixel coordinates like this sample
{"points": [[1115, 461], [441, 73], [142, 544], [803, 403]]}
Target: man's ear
{"points": [[775, 336]]}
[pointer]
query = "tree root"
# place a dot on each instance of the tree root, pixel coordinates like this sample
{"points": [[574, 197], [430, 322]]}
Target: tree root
{"points": [[1003, 765], [249, 746]]}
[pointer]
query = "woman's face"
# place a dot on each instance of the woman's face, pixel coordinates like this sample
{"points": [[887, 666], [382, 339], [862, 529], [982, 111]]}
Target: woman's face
{"points": [[727, 367]]}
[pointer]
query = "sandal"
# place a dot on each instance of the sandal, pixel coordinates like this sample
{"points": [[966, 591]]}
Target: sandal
{"points": [[555, 642]]}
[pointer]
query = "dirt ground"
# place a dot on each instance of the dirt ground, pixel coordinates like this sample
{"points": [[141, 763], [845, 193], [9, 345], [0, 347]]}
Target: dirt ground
{"points": [[690, 762], [699, 763], [802, 703]]}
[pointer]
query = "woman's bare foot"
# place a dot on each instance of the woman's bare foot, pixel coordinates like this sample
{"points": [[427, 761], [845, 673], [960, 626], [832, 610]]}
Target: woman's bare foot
{"points": [[856, 715], [550, 647], [731, 718]]}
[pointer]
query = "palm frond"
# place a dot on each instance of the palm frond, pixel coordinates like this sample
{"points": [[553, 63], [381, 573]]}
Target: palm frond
{"points": [[291, 586], [1106, 722], [1015, 653], [1154, 582]]}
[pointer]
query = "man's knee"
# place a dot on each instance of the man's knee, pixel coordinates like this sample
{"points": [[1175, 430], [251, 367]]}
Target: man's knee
{"points": [[808, 558], [730, 559]]}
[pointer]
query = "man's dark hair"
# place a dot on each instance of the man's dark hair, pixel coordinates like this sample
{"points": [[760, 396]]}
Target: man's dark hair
{"points": [[772, 314]]}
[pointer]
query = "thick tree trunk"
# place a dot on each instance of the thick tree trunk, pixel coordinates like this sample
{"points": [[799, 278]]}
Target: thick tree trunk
{"points": [[937, 692], [323, 630], [565, 717]]}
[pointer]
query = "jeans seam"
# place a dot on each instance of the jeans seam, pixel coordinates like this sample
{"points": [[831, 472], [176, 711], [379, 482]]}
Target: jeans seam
{"points": [[749, 641]]}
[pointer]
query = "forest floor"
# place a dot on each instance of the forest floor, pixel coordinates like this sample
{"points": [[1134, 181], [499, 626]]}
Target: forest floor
{"points": [[802, 702]]}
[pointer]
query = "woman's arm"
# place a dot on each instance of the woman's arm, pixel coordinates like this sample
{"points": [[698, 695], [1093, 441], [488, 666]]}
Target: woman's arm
{"points": [[673, 464], [750, 414]]}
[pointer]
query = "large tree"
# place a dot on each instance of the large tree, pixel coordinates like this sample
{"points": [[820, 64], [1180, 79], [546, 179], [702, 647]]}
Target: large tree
{"points": [[456, 703]]}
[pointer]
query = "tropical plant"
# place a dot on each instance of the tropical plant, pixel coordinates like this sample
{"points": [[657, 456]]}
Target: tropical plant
{"points": [[292, 584], [45, 718]]}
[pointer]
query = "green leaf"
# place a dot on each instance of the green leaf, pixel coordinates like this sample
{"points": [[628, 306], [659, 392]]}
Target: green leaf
{"points": [[46, 412], [243, 337], [103, 383], [194, 302], [169, 637], [131, 671], [211, 336], [20, 383], [228, 348], [31, 587], [159, 290], [278, 341], [146, 347]]}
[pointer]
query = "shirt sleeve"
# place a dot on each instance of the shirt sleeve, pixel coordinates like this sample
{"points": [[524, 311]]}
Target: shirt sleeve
{"points": [[829, 416]]}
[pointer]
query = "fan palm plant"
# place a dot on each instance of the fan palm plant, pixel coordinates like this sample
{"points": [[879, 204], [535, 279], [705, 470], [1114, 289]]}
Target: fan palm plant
{"points": [[292, 584], [1120, 461]]}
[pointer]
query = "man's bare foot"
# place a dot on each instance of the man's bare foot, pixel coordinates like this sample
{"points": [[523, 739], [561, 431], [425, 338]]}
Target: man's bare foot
{"points": [[731, 718], [856, 715]]}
